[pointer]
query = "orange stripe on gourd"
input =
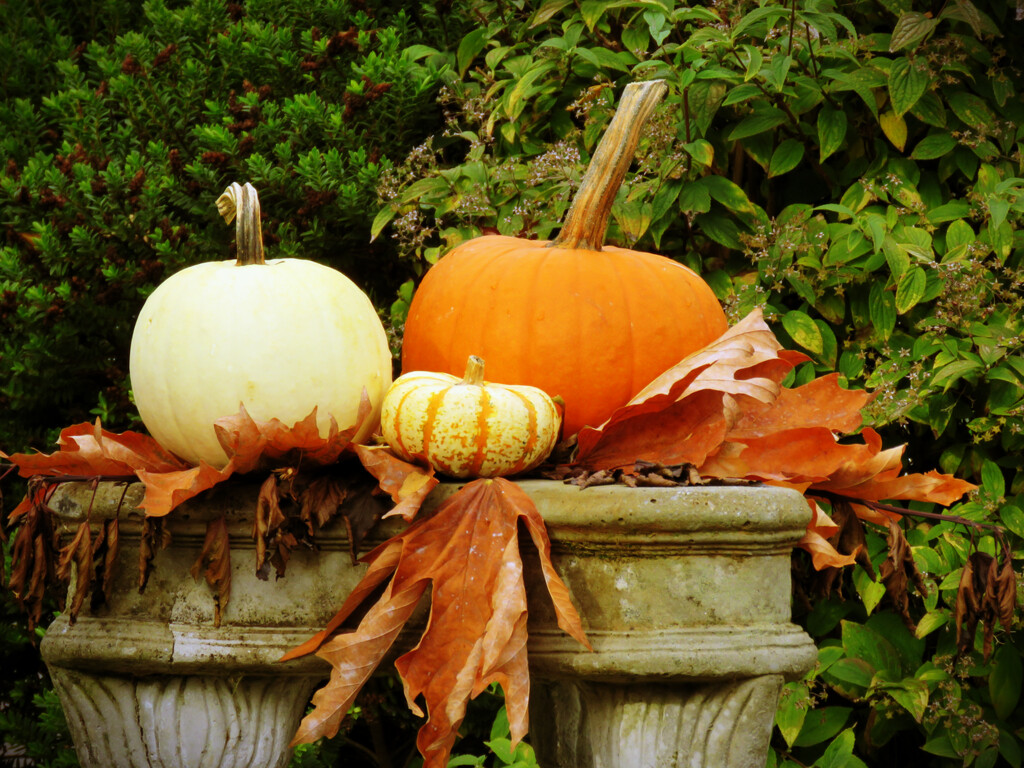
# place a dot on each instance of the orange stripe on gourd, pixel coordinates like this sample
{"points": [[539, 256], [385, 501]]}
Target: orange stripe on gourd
{"points": [[469, 427]]}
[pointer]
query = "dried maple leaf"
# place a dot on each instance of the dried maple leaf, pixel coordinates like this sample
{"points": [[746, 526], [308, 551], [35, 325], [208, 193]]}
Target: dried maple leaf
{"points": [[154, 536], [898, 566], [33, 552], [87, 449], [267, 523], [77, 553], [104, 554], [685, 414], [408, 484], [468, 553], [214, 562]]}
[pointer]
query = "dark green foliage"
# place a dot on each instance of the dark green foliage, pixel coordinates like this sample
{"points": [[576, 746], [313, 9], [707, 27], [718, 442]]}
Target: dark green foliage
{"points": [[854, 170], [116, 148]]}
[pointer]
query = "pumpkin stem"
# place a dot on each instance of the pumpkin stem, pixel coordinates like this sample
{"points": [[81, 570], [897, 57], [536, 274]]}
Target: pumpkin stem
{"points": [[474, 371], [243, 205], [587, 220]]}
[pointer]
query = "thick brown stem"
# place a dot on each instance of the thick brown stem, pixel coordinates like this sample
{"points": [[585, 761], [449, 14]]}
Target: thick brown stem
{"points": [[242, 204], [474, 371], [587, 220]]}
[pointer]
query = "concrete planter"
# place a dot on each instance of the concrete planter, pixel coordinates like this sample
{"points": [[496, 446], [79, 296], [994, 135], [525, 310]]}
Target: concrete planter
{"points": [[684, 593]]}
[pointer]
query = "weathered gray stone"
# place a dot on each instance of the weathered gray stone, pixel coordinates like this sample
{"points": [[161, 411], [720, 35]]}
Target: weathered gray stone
{"points": [[684, 594]]}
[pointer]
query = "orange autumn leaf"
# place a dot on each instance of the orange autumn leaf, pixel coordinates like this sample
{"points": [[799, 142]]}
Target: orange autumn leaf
{"points": [[685, 413], [87, 450], [252, 444], [468, 553], [408, 484]]}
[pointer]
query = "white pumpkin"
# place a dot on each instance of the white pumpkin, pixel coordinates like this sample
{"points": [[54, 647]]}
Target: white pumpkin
{"points": [[278, 338]]}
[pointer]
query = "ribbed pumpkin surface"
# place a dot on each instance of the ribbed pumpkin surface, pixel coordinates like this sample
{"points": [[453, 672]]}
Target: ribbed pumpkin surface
{"points": [[593, 327], [467, 427], [591, 324]]}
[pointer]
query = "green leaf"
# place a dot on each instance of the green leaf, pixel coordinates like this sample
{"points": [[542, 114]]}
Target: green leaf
{"points": [[701, 150], [839, 751], [960, 233], [786, 157], [381, 220], [862, 642], [763, 119], [895, 128], [803, 330], [896, 256], [1013, 518], [882, 309], [910, 29], [729, 194], [971, 109], [992, 479], [951, 211], [470, 48], [695, 197], [831, 131], [794, 703], [933, 146], [910, 694], [930, 622], [821, 725], [524, 88], [907, 84], [941, 746], [910, 289], [854, 671], [1004, 682], [950, 373], [547, 10], [1009, 748]]}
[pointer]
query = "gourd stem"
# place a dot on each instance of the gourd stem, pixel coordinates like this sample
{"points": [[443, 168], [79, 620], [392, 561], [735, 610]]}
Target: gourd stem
{"points": [[474, 371], [587, 220], [242, 204]]}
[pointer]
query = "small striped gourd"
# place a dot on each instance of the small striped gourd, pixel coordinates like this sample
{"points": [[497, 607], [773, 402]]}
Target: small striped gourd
{"points": [[469, 427]]}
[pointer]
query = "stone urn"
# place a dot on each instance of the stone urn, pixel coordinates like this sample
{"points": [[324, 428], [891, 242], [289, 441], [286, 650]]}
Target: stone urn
{"points": [[684, 593]]}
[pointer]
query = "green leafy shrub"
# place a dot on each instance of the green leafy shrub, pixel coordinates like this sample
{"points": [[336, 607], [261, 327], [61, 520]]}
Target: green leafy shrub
{"points": [[855, 171], [116, 147]]}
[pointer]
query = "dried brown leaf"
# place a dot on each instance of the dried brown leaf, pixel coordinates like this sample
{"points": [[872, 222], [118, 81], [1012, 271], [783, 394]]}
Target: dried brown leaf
{"points": [[408, 484], [266, 523], [104, 554], [685, 414], [154, 536], [1006, 593], [77, 556], [468, 552], [898, 570], [214, 563], [34, 552]]}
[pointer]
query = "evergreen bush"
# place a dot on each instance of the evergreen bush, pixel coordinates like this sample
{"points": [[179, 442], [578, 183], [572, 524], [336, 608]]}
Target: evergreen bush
{"points": [[117, 146]]}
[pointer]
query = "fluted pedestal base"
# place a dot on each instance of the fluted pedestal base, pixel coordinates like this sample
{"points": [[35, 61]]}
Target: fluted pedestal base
{"points": [[684, 594], [169, 721], [577, 724]]}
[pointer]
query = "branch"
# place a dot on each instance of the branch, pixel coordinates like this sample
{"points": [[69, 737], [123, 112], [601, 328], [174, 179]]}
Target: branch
{"points": [[831, 496]]}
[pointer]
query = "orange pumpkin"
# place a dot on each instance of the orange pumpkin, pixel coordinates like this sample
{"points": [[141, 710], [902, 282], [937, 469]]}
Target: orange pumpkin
{"points": [[591, 324]]}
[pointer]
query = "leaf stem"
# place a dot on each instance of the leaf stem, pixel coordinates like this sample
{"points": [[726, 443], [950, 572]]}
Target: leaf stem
{"points": [[587, 220], [830, 496]]}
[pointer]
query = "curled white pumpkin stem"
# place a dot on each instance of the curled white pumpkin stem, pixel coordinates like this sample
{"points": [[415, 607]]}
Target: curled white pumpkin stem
{"points": [[587, 220], [474, 371], [242, 204]]}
